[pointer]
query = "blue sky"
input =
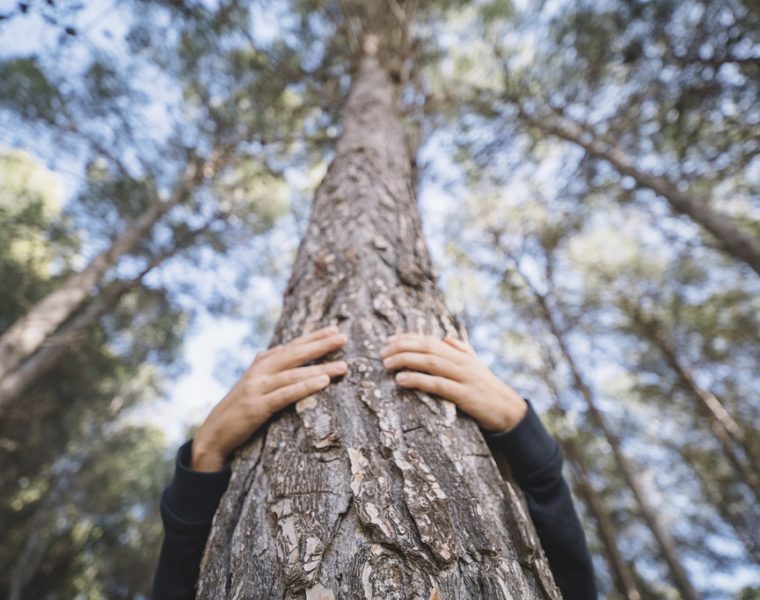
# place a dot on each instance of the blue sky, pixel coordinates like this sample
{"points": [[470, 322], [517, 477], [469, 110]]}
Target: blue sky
{"points": [[218, 347], [212, 339]]}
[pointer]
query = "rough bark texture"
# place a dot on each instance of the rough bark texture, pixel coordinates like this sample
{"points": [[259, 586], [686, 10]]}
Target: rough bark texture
{"points": [[732, 237], [365, 490]]}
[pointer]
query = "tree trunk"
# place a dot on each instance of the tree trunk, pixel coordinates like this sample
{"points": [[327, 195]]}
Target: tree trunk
{"points": [[48, 356], [622, 574], [734, 240], [649, 514], [745, 531], [56, 346], [725, 429], [25, 336], [365, 490]]}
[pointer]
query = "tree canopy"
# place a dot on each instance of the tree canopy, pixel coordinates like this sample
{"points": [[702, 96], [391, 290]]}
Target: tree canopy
{"points": [[589, 182]]}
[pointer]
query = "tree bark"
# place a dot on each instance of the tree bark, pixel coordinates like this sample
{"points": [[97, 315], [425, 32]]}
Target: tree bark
{"points": [[26, 336], [649, 514], [736, 241], [365, 490]]}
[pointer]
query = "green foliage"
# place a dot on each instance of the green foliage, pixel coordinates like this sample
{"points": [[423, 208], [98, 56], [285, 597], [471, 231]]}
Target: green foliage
{"points": [[34, 234], [749, 593], [27, 90], [496, 9], [109, 517], [674, 85], [652, 79], [94, 541], [112, 197], [253, 195]]}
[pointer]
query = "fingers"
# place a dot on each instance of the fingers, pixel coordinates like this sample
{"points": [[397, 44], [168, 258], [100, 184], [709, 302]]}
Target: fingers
{"points": [[440, 386], [308, 337], [291, 376], [285, 396], [435, 366], [304, 349], [429, 363], [459, 345], [299, 354], [424, 344], [314, 335]]}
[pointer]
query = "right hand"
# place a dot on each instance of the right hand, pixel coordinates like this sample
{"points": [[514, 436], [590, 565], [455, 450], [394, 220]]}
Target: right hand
{"points": [[275, 379], [451, 369]]}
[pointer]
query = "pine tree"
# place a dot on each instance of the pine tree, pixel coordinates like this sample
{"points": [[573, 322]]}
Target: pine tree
{"points": [[364, 490]]}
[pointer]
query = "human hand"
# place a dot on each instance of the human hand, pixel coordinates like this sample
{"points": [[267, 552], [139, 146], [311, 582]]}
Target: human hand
{"points": [[275, 379], [450, 368]]}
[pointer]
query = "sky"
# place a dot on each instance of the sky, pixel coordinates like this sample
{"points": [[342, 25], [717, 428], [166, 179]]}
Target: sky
{"points": [[212, 338], [218, 347], [195, 392]]}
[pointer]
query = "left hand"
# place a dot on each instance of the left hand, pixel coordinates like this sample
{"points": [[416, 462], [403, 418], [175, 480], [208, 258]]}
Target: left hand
{"points": [[277, 378], [450, 368]]}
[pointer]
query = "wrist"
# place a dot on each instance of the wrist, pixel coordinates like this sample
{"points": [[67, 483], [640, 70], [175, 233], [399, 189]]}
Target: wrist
{"points": [[512, 409], [206, 459]]}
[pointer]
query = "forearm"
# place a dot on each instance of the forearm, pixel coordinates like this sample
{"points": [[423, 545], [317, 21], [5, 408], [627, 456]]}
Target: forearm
{"points": [[187, 509], [276, 379], [536, 463]]}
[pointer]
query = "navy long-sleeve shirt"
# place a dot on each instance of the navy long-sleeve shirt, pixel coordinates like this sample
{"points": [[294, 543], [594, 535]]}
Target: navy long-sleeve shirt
{"points": [[189, 502]]}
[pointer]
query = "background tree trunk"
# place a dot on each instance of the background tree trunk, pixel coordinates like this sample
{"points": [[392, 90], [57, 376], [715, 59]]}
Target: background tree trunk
{"points": [[56, 346], [25, 374], [622, 574], [29, 333], [365, 490], [741, 244], [661, 534], [729, 434], [743, 524]]}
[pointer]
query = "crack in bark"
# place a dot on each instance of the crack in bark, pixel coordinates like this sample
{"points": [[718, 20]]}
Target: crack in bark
{"points": [[422, 496], [224, 523]]}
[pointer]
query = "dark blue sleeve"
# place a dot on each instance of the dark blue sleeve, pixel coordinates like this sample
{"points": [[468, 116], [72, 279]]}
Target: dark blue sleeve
{"points": [[187, 509], [536, 462]]}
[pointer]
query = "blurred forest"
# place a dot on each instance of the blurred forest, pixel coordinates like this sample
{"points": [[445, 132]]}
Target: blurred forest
{"points": [[589, 180]]}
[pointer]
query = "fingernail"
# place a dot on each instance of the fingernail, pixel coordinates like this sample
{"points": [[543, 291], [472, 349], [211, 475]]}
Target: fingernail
{"points": [[341, 366], [384, 351], [324, 379], [402, 377], [341, 337], [391, 338]]}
